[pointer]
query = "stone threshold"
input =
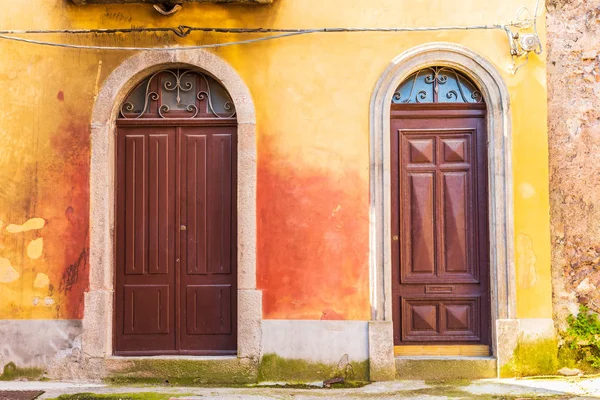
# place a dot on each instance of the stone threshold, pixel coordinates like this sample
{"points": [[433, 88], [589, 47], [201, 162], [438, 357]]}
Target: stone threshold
{"points": [[445, 367]]}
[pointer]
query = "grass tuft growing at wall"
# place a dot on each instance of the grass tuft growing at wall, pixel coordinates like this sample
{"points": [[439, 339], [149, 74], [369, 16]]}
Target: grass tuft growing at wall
{"points": [[11, 372]]}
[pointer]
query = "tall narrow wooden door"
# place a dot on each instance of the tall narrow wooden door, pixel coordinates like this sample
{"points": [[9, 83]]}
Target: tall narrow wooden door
{"points": [[439, 224], [176, 286]]}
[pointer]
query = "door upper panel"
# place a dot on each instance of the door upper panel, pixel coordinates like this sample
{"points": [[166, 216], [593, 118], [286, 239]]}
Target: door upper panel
{"points": [[437, 207]]}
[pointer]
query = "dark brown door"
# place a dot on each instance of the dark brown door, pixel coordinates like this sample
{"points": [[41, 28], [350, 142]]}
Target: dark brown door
{"points": [[176, 286], [439, 224]]}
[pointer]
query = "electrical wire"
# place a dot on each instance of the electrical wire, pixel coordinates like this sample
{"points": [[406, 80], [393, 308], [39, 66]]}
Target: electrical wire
{"points": [[173, 48], [184, 30]]}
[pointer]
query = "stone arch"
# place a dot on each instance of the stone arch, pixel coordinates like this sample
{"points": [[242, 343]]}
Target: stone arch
{"points": [[500, 180], [98, 302]]}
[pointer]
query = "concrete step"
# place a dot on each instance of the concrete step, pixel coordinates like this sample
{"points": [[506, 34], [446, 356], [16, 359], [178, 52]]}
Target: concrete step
{"points": [[425, 368]]}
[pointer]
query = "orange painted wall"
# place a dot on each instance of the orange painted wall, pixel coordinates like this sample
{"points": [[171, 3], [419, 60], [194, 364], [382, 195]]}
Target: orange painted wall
{"points": [[311, 236]]}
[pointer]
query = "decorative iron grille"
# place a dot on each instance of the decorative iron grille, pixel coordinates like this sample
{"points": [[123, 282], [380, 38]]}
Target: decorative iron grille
{"points": [[176, 93], [437, 85]]}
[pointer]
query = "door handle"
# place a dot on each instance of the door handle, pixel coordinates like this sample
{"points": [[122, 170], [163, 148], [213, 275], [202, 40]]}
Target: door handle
{"points": [[183, 228]]}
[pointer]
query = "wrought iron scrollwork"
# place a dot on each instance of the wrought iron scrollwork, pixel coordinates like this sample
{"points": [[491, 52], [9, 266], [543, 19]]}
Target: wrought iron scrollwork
{"points": [[204, 103], [437, 85]]}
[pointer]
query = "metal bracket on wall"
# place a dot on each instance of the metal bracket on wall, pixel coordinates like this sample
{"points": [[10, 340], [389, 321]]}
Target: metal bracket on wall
{"points": [[523, 43]]}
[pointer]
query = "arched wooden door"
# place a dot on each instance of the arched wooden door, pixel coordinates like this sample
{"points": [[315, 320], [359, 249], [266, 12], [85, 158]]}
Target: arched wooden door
{"points": [[176, 252], [440, 245]]}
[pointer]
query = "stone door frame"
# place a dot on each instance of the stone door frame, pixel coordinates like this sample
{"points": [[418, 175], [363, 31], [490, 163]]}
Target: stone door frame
{"points": [[98, 317], [500, 181]]}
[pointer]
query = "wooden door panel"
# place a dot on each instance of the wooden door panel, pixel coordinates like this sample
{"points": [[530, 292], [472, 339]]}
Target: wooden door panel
{"points": [[456, 227], [456, 150], [195, 187], [420, 239], [208, 309], [145, 247], [135, 208], [421, 151], [146, 309], [440, 319], [421, 319], [220, 183], [459, 318], [159, 217], [439, 214]]}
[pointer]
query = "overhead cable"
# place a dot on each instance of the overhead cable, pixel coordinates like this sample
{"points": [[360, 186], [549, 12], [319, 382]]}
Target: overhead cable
{"points": [[184, 30]]}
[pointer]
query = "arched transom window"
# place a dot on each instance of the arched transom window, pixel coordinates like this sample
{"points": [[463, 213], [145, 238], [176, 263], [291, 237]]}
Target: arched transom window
{"points": [[437, 85], [178, 93]]}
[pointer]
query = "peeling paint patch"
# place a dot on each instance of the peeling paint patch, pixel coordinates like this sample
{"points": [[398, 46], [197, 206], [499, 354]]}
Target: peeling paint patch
{"points": [[98, 74], [331, 315], [527, 190], [7, 272], [29, 225], [48, 301], [336, 210], [35, 248], [526, 259], [41, 280]]}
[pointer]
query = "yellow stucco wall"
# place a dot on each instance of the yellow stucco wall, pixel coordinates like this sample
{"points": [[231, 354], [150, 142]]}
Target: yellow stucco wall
{"points": [[312, 98]]}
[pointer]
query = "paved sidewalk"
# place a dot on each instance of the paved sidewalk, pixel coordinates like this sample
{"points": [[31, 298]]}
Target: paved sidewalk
{"points": [[560, 388]]}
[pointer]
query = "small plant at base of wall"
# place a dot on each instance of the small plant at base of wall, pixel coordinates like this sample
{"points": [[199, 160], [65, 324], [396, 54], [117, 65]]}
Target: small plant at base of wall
{"points": [[582, 340]]}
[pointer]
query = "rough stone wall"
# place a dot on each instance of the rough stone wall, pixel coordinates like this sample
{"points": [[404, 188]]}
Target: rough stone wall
{"points": [[574, 141]]}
